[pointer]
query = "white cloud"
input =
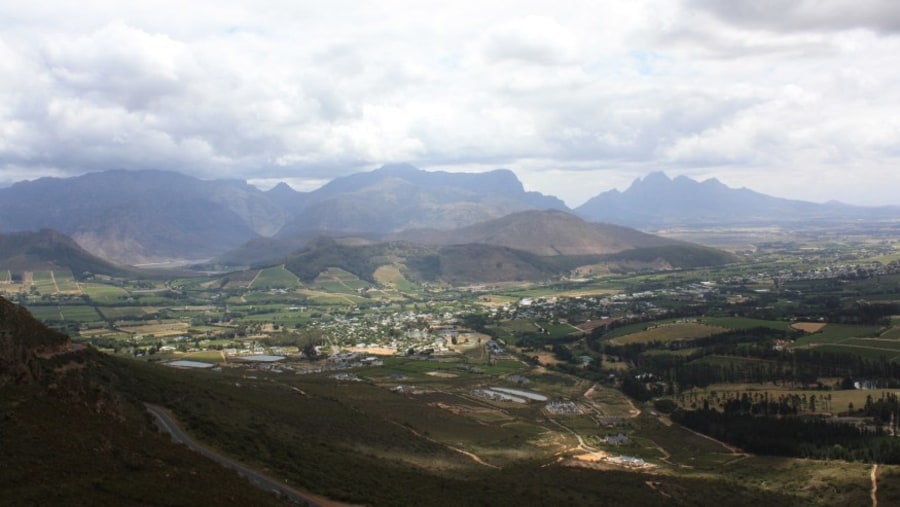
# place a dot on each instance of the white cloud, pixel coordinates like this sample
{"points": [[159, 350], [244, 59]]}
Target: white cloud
{"points": [[578, 96], [532, 39]]}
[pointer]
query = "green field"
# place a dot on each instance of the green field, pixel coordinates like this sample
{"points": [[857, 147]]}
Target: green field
{"points": [[276, 277], [746, 323], [103, 293], [837, 333], [127, 312], [80, 313], [42, 281], [669, 332], [45, 313]]}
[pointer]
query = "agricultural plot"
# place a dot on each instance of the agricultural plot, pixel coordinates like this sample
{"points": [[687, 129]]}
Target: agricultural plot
{"points": [[103, 293], [79, 313], [276, 277], [330, 298], [746, 323], [339, 281], [127, 312], [868, 352], [511, 330], [838, 333], [727, 361], [825, 401], [65, 282], [391, 276], [46, 313], [162, 329], [670, 332], [43, 282]]}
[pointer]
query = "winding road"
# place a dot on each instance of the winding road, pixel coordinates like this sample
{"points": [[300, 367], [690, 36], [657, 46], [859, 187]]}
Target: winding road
{"points": [[168, 424]]}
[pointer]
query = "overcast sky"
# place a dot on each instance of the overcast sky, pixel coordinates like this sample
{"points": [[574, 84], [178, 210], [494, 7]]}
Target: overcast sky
{"points": [[798, 99]]}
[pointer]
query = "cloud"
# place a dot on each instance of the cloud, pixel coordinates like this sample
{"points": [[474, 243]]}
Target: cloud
{"points": [[806, 15], [586, 92], [531, 39]]}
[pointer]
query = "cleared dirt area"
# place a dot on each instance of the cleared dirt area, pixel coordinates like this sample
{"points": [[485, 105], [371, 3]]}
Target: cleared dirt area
{"points": [[441, 374], [808, 327], [546, 359]]}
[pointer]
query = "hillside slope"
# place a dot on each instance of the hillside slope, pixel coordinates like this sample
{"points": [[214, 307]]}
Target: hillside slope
{"points": [[47, 249], [548, 232]]}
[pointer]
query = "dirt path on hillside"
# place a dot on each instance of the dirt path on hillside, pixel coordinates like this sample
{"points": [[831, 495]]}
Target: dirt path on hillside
{"points": [[53, 279], [874, 485], [254, 279], [474, 457], [731, 448]]}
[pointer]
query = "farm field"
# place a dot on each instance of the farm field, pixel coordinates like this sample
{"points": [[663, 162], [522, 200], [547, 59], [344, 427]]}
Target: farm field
{"points": [[838, 399], [669, 332], [838, 333], [103, 293], [275, 277], [162, 329], [745, 323]]}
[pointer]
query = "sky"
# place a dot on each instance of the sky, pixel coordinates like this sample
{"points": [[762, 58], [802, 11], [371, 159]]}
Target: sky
{"points": [[797, 99]]}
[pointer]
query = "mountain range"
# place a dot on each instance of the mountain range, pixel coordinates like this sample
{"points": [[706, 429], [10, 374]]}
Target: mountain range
{"points": [[657, 200], [136, 217]]}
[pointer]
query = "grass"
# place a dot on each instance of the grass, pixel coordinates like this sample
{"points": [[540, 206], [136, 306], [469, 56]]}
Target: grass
{"points": [[837, 333], [840, 398], [390, 275], [160, 329], [127, 312], [103, 293], [80, 313], [669, 332], [740, 323], [276, 277]]}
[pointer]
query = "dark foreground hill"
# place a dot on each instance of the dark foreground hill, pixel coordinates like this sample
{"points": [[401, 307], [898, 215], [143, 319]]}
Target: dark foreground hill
{"points": [[70, 436]]}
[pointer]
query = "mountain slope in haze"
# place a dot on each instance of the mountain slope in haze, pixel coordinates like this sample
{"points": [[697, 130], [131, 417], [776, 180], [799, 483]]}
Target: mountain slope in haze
{"points": [[548, 232], [138, 216], [657, 200], [47, 249], [398, 197]]}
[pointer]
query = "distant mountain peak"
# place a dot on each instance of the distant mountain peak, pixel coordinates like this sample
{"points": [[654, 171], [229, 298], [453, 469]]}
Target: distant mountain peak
{"points": [[655, 177], [281, 189], [657, 200]]}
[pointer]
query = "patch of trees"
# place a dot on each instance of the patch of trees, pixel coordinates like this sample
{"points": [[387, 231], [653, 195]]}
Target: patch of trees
{"points": [[803, 437]]}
